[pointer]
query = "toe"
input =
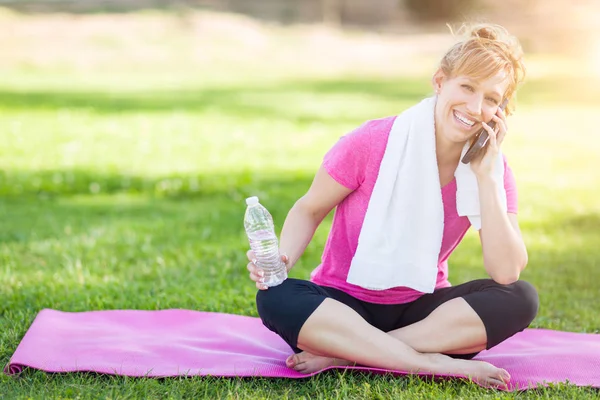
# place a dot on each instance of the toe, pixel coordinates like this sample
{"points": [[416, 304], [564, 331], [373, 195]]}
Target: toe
{"points": [[291, 361], [302, 368]]}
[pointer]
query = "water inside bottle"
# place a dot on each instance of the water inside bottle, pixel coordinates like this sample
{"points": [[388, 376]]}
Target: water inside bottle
{"points": [[265, 246]]}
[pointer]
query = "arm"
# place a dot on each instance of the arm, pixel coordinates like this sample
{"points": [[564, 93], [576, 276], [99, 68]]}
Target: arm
{"points": [[304, 218], [504, 252], [341, 172], [308, 212]]}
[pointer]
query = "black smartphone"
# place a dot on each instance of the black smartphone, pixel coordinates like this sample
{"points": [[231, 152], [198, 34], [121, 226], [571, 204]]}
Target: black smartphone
{"points": [[480, 139]]}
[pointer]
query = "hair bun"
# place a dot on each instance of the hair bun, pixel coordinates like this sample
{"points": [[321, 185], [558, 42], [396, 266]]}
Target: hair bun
{"points": [[485, 32]]}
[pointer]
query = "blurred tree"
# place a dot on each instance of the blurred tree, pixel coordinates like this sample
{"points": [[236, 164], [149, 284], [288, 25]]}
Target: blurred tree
{"points": [[332, 11], [435, 10]]}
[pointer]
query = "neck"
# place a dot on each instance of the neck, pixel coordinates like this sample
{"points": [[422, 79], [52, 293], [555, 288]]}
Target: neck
{"points": [[447, 153]]}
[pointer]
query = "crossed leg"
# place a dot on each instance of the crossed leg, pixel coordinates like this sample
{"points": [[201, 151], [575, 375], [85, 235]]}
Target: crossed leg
{"points": [[333, 333], [337, 331], [452, 328]]}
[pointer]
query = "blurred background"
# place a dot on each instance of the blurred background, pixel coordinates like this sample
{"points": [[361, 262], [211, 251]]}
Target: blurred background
{"points": [[132, 130]]}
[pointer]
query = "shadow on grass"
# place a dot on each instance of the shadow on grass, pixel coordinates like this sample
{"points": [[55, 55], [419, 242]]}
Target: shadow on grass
{"points": [[209, 211], [49, 184], [243, 101], [264, 100]]}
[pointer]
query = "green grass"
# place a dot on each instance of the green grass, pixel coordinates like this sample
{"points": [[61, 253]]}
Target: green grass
{"points": [[123, 191]]}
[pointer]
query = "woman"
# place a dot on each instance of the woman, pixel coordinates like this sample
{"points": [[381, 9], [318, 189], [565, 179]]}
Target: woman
{"points": [[328, 320]]}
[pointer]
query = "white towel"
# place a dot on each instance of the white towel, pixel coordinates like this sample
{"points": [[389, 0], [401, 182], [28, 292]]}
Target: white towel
{"points": [[401, 236]]}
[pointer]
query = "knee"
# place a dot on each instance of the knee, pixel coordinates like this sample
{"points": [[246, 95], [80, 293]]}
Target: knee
{"points": [[268, 302], [510, 309], [526, 301], [271, 304], [283, 309]]}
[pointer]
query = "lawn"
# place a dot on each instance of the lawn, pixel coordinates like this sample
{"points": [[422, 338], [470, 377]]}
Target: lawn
{"points": [[122, 186]]}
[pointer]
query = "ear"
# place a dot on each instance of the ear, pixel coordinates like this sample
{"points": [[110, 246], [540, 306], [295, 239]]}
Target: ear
{"points": [[438, 80]]}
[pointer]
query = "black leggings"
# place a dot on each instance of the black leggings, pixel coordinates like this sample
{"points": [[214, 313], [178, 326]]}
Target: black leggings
{"points": [[504, 309]]}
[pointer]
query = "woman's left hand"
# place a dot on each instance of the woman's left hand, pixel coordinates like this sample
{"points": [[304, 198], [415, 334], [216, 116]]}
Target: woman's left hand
{"points": [[483, 164]]}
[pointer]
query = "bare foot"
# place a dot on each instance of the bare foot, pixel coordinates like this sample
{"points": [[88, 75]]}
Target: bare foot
{"points": [[481, 372], [307, 363], [488, 375]]}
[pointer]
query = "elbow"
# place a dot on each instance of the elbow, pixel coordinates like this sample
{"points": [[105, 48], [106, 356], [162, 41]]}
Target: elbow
{"points": [[509, 275], [524, 261], [509, 269], [310, 210]]}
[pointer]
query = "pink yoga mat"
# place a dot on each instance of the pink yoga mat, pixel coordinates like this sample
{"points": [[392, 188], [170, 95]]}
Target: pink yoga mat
{"points": [[184, 343]]}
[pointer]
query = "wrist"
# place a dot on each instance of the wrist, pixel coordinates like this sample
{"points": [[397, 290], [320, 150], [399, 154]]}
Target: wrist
{"points": [[487, 179]]}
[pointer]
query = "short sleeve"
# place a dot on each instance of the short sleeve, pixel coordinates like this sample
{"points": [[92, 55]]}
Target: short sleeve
{"points": [[347, 160], [510, 186]]}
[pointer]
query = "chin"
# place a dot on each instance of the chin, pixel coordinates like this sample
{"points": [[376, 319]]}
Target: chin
{"points": [[460, 136]]}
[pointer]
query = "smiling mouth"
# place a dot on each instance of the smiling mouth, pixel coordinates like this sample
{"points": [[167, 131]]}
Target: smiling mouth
{"points": [[463, 120]]}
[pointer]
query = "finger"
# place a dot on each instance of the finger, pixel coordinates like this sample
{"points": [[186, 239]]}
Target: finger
{"points": [[490, 132], [501, 114], [261, 286], [499, 122], [250, 255], [501, 132], [256, 277], [488, 128], [502, 117], [251, 267], [286, 262], [254, 270], [492, 145]]}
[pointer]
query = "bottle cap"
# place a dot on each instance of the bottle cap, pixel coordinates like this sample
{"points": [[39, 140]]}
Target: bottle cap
{"points": [[251, 201]]}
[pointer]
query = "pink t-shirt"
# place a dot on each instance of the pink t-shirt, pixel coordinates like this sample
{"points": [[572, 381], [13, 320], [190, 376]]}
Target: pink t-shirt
{"points": [[354, 162]]}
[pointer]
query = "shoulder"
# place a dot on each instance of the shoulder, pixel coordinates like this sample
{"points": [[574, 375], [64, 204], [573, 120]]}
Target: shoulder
{"points": [[373, 130], [354, 152], [380, 126]]}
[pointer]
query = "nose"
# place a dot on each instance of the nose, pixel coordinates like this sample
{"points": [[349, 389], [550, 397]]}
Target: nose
{"points": [[474, 105]]}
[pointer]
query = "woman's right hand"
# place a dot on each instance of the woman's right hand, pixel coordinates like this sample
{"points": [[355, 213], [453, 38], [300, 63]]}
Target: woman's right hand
{"points": [[257, 274]]}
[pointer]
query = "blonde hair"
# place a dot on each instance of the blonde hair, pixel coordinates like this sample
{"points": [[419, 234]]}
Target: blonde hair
{"points": [[485, 50]]}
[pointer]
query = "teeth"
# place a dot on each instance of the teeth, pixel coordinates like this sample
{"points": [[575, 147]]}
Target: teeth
{"points": [[463, 119]]}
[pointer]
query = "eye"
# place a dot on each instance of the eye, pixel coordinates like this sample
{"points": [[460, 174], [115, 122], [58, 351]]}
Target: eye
{"points": [[493, 101], [468, 87]]}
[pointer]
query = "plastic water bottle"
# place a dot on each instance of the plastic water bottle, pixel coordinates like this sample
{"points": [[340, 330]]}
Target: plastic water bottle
{"points": [[263, 242]]}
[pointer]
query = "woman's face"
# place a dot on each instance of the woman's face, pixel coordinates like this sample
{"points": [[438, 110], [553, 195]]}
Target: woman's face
{"points": [[463, 102]]}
